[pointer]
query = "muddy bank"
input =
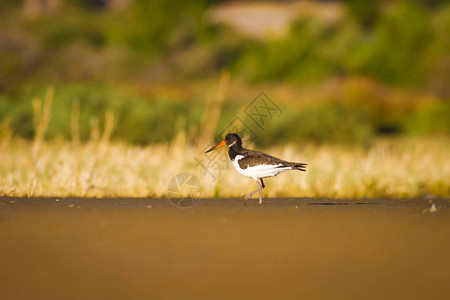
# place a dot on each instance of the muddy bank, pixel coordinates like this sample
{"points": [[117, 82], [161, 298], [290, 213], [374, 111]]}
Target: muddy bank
{"points": [[407, 204], [53, 248]]}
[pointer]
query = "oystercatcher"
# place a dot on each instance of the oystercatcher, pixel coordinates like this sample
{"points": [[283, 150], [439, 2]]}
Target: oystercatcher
{"points": [[255, 164]]}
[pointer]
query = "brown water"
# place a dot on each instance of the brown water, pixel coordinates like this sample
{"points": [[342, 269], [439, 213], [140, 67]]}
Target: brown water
{"points": [[224, 248]]}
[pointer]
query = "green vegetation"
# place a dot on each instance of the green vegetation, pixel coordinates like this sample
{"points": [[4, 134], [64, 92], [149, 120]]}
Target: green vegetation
{"points": [[104, 60], [404, 45]]}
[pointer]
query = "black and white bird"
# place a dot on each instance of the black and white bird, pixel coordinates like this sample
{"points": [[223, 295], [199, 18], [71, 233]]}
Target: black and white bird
{"points": [[255, 164]]}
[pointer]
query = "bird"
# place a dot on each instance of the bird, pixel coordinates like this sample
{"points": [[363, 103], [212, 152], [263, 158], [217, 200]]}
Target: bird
{"points": [[255, 164]]}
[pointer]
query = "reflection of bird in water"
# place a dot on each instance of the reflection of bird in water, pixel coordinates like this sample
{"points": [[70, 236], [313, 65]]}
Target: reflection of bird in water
{"points": [[255, 164]]}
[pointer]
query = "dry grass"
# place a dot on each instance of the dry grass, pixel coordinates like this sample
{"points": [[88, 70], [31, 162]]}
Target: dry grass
{"points": [[394, 168], [100, 168]]}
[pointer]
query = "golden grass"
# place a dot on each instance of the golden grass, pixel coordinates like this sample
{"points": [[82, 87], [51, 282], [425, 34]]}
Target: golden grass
{"points": [[99, 168], [394, 168]]}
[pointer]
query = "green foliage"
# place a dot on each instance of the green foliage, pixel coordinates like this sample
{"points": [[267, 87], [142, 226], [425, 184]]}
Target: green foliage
{"points": [[158, 27], [295, 57], [398, 48], [327, 122], [138, 120], [143, 119], [429, 118], [82, 45], [401, 45], [365, 12]]}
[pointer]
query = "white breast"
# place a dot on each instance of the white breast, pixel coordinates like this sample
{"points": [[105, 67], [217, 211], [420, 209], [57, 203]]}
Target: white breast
{"points": [[260, 171]]}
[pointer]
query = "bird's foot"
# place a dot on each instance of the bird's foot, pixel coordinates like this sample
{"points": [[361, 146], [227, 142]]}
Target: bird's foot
{"points": [[249, 195], [260, 201]]}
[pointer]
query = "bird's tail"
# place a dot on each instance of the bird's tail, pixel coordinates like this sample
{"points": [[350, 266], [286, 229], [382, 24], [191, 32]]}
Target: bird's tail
{"points": [[295, 166]]}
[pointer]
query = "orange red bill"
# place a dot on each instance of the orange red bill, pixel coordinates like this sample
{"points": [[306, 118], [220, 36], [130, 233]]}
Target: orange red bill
{"points": [[222, 143]]}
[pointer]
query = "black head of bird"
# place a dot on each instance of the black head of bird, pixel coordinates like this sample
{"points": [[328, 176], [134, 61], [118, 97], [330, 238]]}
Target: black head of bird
{"points": [[231, 139]]}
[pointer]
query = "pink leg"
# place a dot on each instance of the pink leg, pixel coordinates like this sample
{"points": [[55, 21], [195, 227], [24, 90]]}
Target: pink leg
{"points": [[259, 189], [251, 194], [260, 199]]}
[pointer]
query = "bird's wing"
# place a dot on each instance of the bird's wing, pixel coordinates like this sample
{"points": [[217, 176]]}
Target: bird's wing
{"points": [[254, 158]]}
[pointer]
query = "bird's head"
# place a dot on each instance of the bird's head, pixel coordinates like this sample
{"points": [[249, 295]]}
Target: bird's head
{"points": [[231, 139]]}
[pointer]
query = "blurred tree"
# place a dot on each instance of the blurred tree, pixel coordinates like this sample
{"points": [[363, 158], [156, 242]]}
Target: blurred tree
{"points": [[365, 12], [431, 3], [9, 3], [32, 8], [102, 4]]}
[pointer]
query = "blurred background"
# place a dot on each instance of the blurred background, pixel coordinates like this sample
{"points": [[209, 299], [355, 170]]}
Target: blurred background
{"points": [[117, 98], [344, 72]]}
